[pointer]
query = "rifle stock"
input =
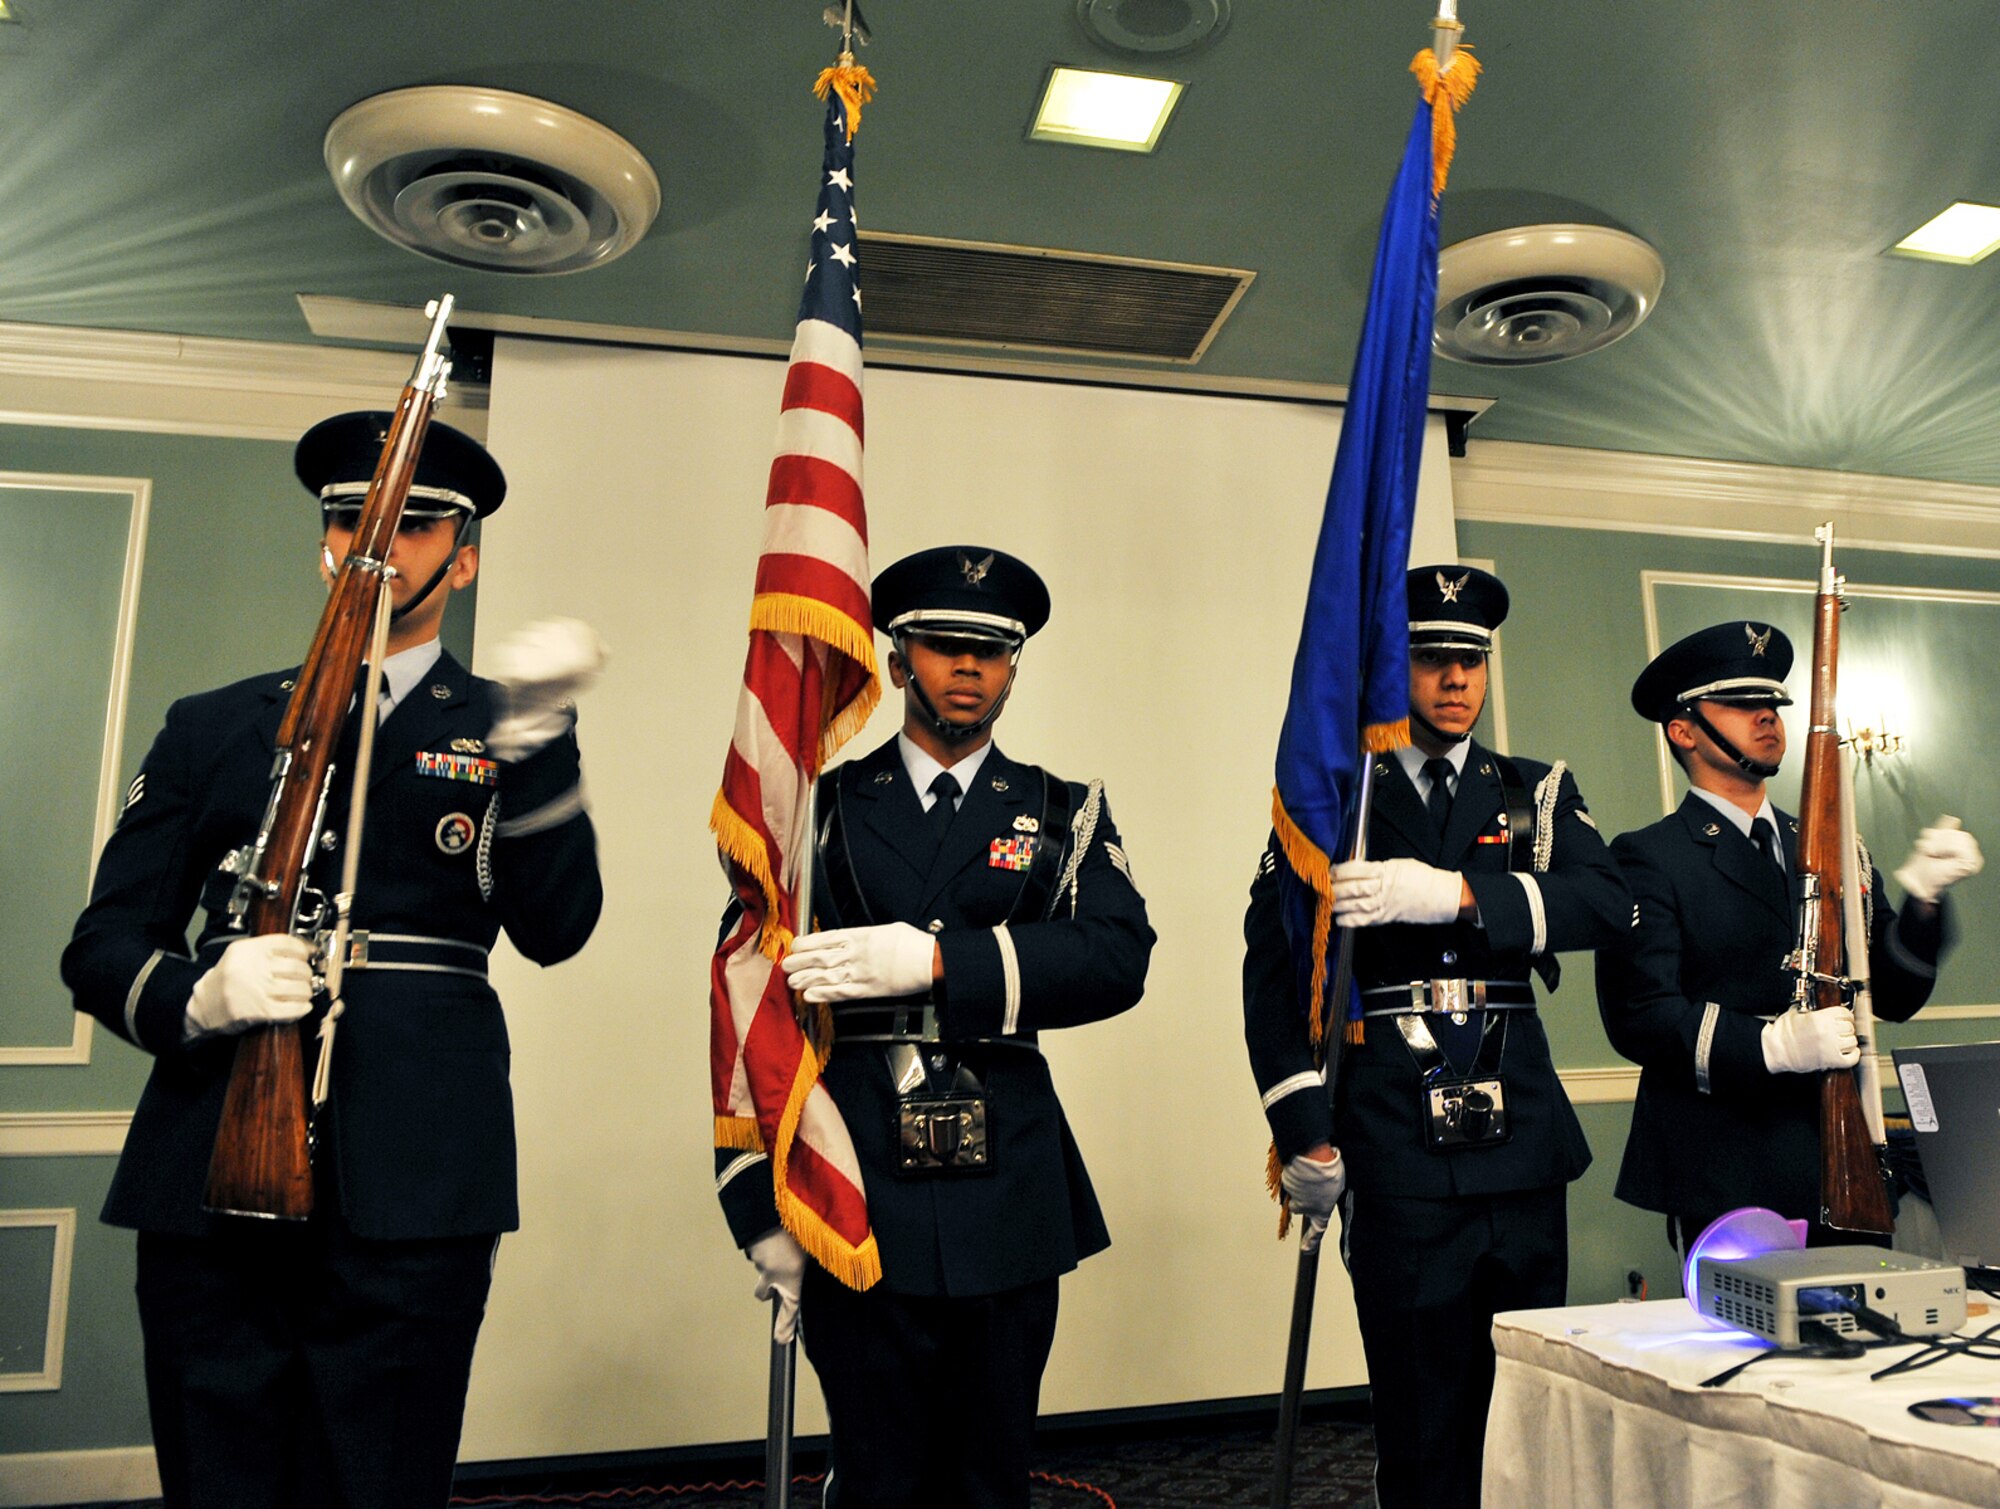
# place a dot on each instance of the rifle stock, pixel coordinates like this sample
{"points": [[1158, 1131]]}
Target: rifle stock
{"points": [[262, 1162], [1854, 1195]]}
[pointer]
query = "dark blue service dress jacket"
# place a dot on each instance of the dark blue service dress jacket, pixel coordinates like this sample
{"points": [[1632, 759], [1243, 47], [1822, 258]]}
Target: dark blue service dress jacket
{"points": [[1006, 979], [420, 1127], [1578, 902], [1685, 994]]}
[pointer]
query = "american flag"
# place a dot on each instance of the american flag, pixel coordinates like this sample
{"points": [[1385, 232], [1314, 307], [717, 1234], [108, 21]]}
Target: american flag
{"points": [[808, 684]]}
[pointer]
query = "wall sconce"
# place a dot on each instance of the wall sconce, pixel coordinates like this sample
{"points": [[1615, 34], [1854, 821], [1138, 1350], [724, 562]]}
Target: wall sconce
{"points": [[1870, 742]]}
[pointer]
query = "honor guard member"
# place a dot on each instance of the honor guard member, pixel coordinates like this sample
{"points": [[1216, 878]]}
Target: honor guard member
{"points": [[1452, 1136], [324, 1362], [965, 903], [1695, 990]]}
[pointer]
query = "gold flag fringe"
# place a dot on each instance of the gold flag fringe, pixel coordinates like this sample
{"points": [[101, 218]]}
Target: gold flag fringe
{"points": [[1446, 89], [1274, 1168], [1381, 738], [788, 613], [852, 82], [1316, 870], [857, 1267], [739, 1133], [743, 845]]}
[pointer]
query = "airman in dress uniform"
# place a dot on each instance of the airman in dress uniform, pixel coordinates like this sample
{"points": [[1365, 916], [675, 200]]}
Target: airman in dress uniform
{"points": [[325, 1362], [1452, 1138], [1695, 991], [965, 903]]}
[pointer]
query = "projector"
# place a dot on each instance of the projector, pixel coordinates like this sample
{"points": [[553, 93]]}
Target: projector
{"points": [[1770, 1294]]}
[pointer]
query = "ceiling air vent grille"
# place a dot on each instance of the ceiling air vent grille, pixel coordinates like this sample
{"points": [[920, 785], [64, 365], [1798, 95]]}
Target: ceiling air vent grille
{"points": [[1036, 299]]}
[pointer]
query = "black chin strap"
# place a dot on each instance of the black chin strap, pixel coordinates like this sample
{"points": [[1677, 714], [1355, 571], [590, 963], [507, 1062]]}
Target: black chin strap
{"points": [[953, 733], [1435, 732], [1693, 713], [457, 543]]}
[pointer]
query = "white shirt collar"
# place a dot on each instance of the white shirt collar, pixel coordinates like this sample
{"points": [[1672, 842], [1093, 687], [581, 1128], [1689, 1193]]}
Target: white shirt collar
{"points": [[403, 670], [923, 769], [1412, 760], [1740, 820]]}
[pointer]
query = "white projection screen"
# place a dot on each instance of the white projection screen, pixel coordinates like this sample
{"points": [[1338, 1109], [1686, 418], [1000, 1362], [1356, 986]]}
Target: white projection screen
{"points": [[1175, 532]]}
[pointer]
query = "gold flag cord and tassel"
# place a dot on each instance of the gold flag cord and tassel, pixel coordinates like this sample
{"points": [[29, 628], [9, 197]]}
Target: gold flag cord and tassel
{"points": [[852, 82], [1446, 88]]}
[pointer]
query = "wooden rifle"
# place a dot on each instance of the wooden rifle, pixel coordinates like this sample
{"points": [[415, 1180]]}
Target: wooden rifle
{"points": [[262, 1163], [1854, 1192]]}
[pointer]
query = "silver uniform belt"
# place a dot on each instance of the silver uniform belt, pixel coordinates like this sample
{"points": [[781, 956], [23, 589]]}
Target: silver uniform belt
{"points": [[398, 951], [909, 1022], [1447, 997]]}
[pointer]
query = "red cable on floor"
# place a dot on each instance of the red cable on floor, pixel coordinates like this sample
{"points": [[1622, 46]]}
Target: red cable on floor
{"points": [[732, 1485]]}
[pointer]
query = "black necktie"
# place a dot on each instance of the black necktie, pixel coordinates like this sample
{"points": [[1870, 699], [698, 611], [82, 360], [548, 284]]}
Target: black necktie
{"points": [[944, 809], [1765, 837], [1438, 773]]}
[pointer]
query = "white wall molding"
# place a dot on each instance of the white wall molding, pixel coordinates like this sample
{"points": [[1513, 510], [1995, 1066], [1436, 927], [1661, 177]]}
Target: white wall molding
{"points": [[193, 385], [62, 1222], [113, 1475], [1509, 482], [63, 1134], [1597, 1087]]}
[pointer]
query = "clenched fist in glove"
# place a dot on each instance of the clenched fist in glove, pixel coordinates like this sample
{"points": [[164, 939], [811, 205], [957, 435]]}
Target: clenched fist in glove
{"points": [[1314, 1189], [861, 963], [541, 669], [258, 982], [1809, 1042], [1368, 892], [781, 1270], [1944, 855]]}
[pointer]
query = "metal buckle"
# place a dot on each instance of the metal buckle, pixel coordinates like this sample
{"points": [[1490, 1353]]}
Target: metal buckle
{"points": [[357, 946], [1446, 995]]}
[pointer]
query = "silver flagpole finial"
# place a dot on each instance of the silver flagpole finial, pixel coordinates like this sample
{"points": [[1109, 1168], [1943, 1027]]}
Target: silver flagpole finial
{"points": [[1446, 29]]}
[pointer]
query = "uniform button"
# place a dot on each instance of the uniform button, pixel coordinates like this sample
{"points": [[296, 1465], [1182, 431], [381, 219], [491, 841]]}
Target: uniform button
{"points": [[1451, 956], [329, 839], [936, 924]]}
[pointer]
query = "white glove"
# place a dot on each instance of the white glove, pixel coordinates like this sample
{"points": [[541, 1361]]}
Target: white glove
{"points": [[1367, 892], [1314, 1190], [541, 668], [861, 963], [257, 982], [781, 1269], [1808, 1042], [1944, 855]]}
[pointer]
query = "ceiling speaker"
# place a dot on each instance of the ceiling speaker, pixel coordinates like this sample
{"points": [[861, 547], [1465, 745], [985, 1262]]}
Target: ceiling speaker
{"points": [[1154, 28], [1542, 293], [485, 178]]}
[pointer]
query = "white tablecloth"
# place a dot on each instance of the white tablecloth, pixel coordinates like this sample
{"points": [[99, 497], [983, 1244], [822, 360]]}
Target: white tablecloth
{"points": [[1598, 1406]]}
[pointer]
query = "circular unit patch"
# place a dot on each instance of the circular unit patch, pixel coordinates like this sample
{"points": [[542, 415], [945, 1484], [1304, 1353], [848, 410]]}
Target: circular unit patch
{"points": [[456, 833]]}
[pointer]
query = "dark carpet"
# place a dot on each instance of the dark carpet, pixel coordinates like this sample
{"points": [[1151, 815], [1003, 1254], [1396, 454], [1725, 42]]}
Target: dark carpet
{"points": [[1215, 1462], [1200, 1464]]}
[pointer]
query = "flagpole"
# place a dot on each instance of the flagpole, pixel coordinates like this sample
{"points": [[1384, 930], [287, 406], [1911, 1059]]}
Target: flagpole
{"points": [[785, 1354], [1446, 29], [1306, 1285]]}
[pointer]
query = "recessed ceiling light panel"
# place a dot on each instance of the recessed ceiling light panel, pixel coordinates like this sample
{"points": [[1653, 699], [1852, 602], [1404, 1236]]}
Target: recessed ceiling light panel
{"points": [[490, 179], [1963, 235], [1542, 293], [1121, 111]]}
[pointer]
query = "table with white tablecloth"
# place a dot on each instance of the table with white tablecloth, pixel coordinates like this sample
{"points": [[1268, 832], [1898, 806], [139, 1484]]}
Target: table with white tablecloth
{"points": [[1600, 1407]]}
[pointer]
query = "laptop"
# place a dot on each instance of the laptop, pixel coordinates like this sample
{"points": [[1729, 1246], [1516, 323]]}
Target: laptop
{"points": [[1953, 1094]]}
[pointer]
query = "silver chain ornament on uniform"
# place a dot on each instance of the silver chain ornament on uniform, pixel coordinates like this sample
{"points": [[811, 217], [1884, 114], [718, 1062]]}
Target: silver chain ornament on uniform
{"points": [[1084, 828], [1545, 815], [484, 858]]}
